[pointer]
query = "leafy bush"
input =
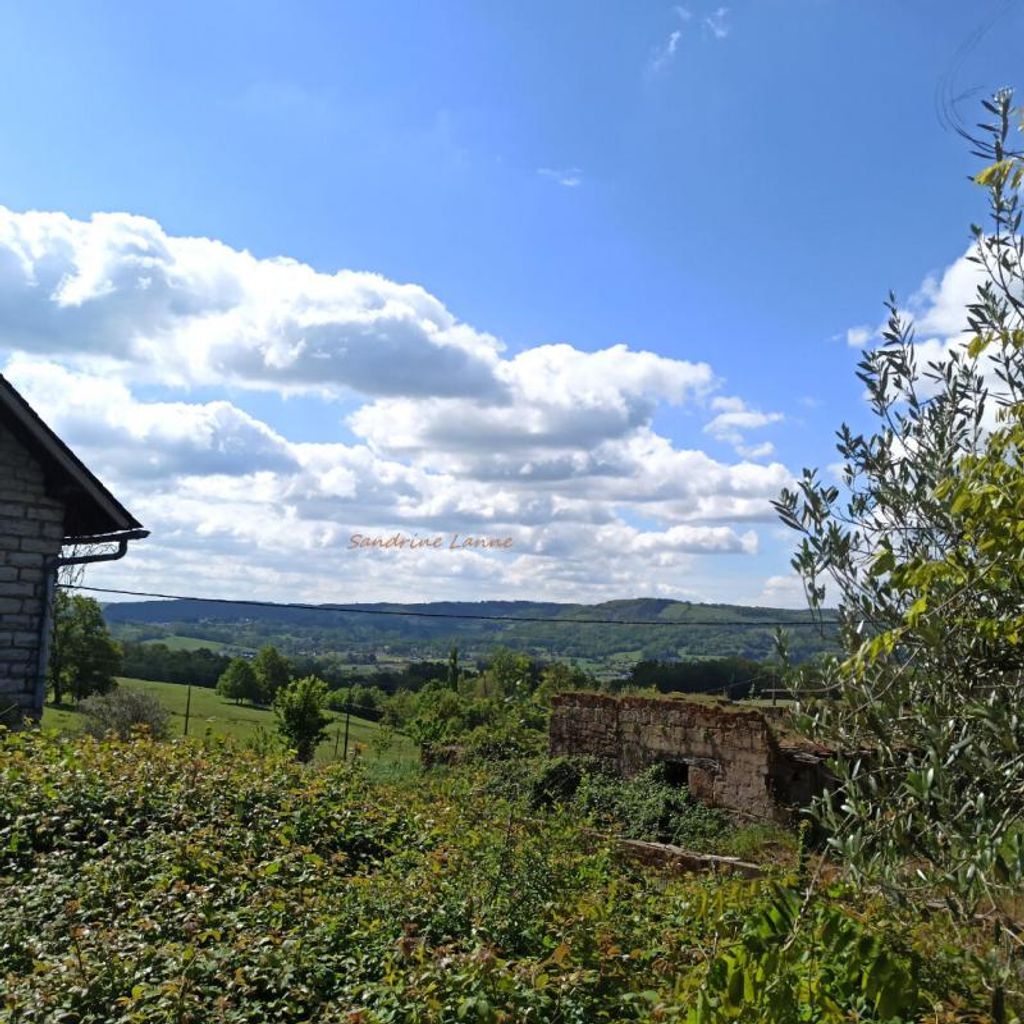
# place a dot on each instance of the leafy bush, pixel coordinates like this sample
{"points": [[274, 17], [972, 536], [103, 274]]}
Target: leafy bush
{"points": [[827, 967], [644, 807], [123, 712], [443, 716], [301, 721], [556, 780], [648, 807], [264, 743], [504, 741], [194, 881], [767, 842], [555, 783], [175, 881]]}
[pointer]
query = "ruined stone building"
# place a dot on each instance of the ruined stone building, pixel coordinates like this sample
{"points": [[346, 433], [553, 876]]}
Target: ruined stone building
{"points": [[49, 500], [731, 755]]}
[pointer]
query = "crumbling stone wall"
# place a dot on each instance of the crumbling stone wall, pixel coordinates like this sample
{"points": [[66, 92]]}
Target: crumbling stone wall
{"points": [[585, 723], [725, 754], [31, 531]]}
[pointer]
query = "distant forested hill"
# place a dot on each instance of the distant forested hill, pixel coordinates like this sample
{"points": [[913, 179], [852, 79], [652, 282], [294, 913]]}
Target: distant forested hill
{"points": [[683, 630]]}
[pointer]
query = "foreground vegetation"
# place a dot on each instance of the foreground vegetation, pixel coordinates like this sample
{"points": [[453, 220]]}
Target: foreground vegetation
{"points": [[197, 881]]}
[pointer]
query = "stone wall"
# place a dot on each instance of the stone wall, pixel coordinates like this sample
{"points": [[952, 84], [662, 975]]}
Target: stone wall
{"points": [[31, 531], [725, 754], [585, 723]]}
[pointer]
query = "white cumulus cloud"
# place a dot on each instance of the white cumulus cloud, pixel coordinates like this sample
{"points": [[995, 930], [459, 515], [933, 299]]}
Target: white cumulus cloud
{"points": [[118, 291], [734, 419], [553, 446]]}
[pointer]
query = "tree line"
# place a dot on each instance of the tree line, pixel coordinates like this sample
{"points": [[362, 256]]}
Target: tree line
{"points": [[85, 659]]}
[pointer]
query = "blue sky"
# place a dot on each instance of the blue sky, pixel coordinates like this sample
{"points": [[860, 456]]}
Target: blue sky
{"points": [[728, 187]]}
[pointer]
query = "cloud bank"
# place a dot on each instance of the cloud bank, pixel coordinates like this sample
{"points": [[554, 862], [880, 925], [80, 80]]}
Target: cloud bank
{"points": [[421, 423]]}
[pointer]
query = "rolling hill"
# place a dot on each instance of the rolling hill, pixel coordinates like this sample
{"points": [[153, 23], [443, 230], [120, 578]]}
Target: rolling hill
{"points": [[601, 636]]}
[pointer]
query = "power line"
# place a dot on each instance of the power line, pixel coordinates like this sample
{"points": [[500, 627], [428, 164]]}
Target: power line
{"points": [[405, 613]]}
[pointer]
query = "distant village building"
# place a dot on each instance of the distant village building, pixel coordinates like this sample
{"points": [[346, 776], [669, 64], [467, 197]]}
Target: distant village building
{"points": [[49, 500], [730, 755]]}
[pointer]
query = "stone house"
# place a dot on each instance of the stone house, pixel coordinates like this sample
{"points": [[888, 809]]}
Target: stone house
{"points": [[739, 757], [49, 501]]}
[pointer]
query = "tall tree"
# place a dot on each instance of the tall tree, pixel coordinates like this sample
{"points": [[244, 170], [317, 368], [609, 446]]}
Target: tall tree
{"points": [[560, 677], [923, 550], [272, 672], [238, 682], [508, 673], [84, 657], [453, 668]]}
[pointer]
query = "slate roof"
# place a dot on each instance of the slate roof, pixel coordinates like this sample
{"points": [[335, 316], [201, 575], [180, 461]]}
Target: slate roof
{"points": [[91, 510]]}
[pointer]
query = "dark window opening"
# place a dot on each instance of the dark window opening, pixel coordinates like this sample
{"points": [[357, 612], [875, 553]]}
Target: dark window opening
{"points": [[677, 773]]}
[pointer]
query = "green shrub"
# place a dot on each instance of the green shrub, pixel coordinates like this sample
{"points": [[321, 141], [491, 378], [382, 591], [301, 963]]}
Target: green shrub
{"points": [[648, 807], [762, 841], [502, 741], [194, 881], [264, 743], [299, 709], [644, 807], [123, 712], [556, 780], [793, 964]]}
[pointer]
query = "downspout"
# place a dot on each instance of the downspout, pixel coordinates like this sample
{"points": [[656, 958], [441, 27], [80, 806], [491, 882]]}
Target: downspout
{"points": [[51, 566]]}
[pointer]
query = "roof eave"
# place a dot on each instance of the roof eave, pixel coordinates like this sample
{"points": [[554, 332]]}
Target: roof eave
{"points": [[75, 473]]}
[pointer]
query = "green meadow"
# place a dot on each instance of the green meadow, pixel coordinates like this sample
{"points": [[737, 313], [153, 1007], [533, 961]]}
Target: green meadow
{"points": [[211, 715], [193, 643]]}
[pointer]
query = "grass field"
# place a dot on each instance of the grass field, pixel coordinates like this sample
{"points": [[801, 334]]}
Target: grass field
{"points": [[211, 715], [194, 643]]}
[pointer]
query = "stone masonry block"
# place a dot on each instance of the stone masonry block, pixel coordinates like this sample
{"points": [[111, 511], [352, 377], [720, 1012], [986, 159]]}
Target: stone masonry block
{"points": [[12, 654], [15, 487], [46, 513], [25, 620], [45, 547], [23, 559], [10, 527], [52, 531]]}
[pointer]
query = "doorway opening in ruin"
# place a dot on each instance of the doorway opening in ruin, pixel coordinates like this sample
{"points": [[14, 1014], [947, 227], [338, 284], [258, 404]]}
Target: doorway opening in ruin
{"points": [[677, 773]]}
